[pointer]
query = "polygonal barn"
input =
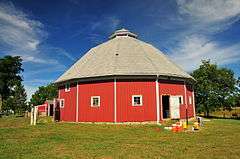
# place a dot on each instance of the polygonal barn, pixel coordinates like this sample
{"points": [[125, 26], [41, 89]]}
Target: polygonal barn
{"points": [[125, 80]]}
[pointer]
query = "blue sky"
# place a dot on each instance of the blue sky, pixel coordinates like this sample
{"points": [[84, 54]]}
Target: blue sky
{"points": [[51, 35]]}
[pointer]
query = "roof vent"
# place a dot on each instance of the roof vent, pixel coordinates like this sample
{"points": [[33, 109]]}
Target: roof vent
{"points": [[122, 32]]}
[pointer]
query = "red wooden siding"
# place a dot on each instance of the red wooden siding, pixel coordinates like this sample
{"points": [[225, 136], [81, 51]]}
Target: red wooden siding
{"points": [[175, 88], [190, 106], [104, 113], [128, 113], [42, 108], [125, 111], [68, 113]]}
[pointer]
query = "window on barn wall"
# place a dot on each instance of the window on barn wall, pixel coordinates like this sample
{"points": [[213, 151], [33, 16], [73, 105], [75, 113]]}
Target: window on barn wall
{"points": [[61, 103], [180, 99], [190, 99], [137, 100], [67, 87], [95, 101]]}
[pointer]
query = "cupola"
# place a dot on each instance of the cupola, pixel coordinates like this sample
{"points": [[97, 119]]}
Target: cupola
{"points": [[122, 32]]}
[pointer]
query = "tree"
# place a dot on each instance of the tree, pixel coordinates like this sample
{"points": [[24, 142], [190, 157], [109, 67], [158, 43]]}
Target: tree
{"points": [[17, 101], [215, 87], [20, 98], [237, 97], [227, 88], [44, 93], [7, 105], [10, 70]]}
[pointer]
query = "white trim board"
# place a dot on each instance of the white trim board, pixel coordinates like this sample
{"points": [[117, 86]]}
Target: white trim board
{"points": [[157, 100]]}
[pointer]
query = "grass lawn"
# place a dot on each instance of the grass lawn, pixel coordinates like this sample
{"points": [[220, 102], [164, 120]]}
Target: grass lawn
{"points": [[218, 139]]}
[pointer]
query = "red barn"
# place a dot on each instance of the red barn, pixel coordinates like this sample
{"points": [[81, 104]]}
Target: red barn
{"points": [[42, 108], [125, 80], [46, 109]]}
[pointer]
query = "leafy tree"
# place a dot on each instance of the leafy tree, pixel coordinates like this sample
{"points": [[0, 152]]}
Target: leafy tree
{"points": [[10, 70], [237, 96], [227, 88], [44, 93], [20, 97], [7, 105], [17, 101], [215, 88]]}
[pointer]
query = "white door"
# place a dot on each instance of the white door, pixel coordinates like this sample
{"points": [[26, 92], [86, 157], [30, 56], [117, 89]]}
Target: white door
{"points": [[174, 107]]}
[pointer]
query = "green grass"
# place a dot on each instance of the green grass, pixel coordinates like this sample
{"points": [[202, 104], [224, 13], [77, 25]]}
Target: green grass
{"points": [[218, 139]]}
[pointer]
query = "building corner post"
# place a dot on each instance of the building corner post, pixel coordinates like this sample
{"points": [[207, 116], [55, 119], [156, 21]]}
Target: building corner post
{"points": [[194, 108], [157, 100], [115, 99], [185, 101], [77, 104]]}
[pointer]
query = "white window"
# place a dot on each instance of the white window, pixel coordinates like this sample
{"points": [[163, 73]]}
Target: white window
{"points": [[67, 87], [61, 103], [180, 99], [95, 101], [190, 99], [137, 100]]}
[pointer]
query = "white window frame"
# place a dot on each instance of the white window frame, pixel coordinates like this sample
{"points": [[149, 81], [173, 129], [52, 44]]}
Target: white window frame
{"points": [[60, 103], [99, 101], [141, 100], [179, 96], [67, 87], [190, 99]]}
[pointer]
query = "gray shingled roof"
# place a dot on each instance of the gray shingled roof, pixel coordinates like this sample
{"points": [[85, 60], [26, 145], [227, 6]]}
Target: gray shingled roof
{"points": [[123, 54]]}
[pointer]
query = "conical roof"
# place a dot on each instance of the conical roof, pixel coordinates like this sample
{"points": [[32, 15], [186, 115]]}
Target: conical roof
{"points": [[123, 54]]}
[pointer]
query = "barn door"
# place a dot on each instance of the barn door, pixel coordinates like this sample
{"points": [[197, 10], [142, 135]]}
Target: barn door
{"points": [[57, 112], [174, 107]]}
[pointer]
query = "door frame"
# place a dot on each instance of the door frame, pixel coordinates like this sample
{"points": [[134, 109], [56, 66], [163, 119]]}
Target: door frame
{"points": [[162, 106], [161, 111]]}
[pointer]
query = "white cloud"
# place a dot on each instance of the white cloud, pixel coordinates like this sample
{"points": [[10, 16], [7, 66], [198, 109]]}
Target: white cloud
{"points": [[18, 31], [30, 90], [208, 16], [193, 49], [15, 17], [21, 35], [210, 10], [35, 59], [204, 19], [31, 86]]}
